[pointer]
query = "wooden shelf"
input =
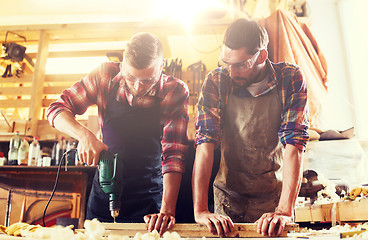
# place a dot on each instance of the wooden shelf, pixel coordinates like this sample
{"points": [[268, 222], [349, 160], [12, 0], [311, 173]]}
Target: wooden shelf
{"points": [[5, 137]]}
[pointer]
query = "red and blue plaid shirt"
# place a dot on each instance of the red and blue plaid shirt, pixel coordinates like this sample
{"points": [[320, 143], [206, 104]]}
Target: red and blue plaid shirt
{"points": [[292, 91], [96, 87]]}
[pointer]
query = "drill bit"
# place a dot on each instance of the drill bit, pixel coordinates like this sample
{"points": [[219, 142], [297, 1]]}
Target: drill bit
{"points": [[114, 214]]}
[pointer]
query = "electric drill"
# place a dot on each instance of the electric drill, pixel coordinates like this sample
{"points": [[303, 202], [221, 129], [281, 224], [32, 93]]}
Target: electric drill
{"points": [[110, 180]]}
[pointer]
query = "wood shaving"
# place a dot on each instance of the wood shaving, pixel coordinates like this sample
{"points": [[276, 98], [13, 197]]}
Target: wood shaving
{"points": [[94, 230]]}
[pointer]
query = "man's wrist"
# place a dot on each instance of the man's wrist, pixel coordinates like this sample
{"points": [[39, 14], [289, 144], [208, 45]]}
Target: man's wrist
{"points": [[167, 212], [85, 133], [200, 210], [283, 211], [167, 208]]}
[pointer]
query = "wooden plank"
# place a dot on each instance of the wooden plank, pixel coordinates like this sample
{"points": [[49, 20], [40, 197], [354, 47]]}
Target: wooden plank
{"points": [[17, 91], [87, 53], [23, 103], [38, 82], [192, 230], [64, 77], [345, 212], [71, 78], [353, 210], [314, 213], [26, 78], [54, 90]]}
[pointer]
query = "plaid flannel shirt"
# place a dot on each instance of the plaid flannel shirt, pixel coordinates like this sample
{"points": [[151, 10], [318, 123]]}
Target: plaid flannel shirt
{"points": [[96, 87], [292, 91]]}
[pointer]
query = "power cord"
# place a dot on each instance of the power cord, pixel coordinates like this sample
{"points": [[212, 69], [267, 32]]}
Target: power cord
{"points": [[56, 182]]}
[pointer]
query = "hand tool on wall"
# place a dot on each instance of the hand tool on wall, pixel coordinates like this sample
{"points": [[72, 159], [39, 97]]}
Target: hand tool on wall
{"points": [[174, 69], [198, 69], [8, 71]]}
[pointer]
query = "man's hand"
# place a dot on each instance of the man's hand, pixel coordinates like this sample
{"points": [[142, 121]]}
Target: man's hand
{"points": [[159, 221], [217, 224], [89, 148], [267, 223]]}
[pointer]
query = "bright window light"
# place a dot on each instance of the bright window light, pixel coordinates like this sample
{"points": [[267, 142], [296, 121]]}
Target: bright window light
{"points": [[185, 11]]}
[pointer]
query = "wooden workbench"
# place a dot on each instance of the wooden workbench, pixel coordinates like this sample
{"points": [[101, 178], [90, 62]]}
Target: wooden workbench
{"points": [[290, 237], [25, 179], [193, 231]]}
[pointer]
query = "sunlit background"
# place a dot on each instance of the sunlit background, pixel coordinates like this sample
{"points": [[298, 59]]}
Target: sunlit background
{"points": [[338, 25]]}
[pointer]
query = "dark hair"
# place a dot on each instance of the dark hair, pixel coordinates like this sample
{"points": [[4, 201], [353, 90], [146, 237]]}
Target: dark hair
{"points": [[246, 33], [142, 50]]}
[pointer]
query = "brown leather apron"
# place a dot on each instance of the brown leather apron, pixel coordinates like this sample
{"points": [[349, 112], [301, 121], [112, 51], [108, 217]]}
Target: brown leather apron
{"points": [[248, 182]]}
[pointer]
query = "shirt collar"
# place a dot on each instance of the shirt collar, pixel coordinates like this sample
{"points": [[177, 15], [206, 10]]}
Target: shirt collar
{"points": [[271, 84], [272, 81]]}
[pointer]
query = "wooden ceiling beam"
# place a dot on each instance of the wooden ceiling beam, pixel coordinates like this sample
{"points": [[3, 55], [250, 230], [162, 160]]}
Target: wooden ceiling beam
{"points": [[111, 31], [89, 53]]}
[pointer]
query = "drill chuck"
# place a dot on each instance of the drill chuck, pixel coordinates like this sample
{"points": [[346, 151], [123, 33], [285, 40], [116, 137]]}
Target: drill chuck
{"points": [[114, 205], [114, 210], [114, 213]]}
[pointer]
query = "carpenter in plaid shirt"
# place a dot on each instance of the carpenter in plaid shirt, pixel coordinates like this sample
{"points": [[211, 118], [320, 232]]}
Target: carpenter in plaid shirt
{"points": [[257, 112], [143, 115]]}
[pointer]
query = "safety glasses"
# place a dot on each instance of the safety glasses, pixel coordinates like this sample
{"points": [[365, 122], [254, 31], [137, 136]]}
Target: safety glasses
{"points": [[147, 81], [240, 66]]}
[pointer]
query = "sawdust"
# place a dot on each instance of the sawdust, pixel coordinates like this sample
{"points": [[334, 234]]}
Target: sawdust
{"points": [[337, 230], [94, 230]]}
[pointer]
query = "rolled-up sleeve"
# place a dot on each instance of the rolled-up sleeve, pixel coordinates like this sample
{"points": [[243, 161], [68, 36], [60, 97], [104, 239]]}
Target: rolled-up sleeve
{"points": [[90, 90], [208, 121], [295, 116], [174, 140], [72, 100]]}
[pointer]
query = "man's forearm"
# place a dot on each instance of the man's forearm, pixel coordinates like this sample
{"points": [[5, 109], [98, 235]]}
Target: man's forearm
{"points": [[171, 181], [66, 123], [292, 178], [202, 170]]}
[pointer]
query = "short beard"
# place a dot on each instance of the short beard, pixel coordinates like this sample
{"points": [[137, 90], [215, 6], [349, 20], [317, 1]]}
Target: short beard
{"points": [[242, 82]]}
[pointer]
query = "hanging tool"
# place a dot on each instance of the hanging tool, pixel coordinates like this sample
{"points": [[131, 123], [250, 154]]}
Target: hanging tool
{"points": [[174, 69], [110, 179], [8, 71], [198, 69]]}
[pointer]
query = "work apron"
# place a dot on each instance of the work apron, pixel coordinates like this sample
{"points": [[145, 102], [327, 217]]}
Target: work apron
{"points": [[133, 133], [248, 182]]}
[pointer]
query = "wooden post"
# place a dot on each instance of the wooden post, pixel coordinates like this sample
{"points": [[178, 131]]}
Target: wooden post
{"points": [[38, 82]]}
